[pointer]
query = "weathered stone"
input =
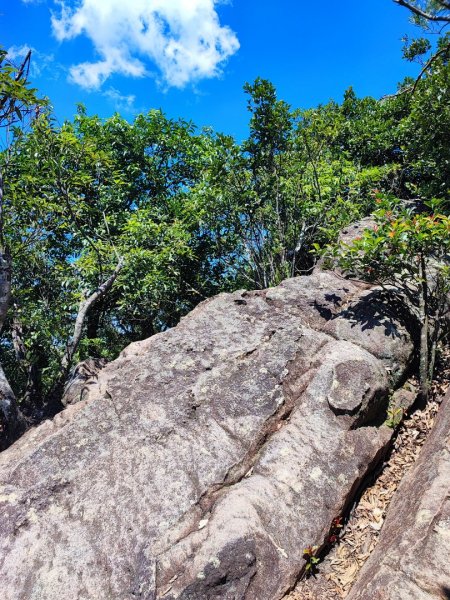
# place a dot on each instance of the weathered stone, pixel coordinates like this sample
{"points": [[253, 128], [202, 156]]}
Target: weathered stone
{"points": [[84, 375], [381, 325], [349, 234], [12, 422], [412, 558], [404, 398], [205, 458]]}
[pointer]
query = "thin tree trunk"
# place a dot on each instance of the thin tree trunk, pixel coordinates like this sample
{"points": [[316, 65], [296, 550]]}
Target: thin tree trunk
{"points": [[434, 338], [5, 266], [5, 284], [53, 401], [424, 333], [92, 327], [147, 329], [12, 422], [31, 399], [85, 306]]}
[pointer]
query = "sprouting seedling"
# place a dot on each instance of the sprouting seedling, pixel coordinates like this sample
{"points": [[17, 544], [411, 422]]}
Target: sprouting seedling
{"points": [[336, 526], [394, 417], [311, 559]]}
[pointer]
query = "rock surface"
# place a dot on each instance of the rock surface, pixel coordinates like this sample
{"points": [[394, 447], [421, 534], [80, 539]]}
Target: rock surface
{"points": [[84, 375], [207, 457], [412, 557], [12, 422]]}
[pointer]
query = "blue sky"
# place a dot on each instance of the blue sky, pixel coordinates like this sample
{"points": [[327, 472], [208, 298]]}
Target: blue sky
{"points": [[191, 57]]}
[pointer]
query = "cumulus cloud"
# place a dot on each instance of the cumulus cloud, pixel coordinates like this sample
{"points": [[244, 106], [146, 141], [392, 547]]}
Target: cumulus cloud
{"points": [[16, 53], [183, 38], [121, 102]]}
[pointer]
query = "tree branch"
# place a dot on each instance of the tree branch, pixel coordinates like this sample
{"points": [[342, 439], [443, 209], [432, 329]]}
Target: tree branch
{"points": [[444, 4], [421, 13], [412, 88], [82, 313], [25, 66], [428, 64], [5, 284]]}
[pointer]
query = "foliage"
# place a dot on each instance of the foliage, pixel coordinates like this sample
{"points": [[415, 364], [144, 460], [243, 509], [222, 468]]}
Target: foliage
{"points": [[394, 416], [81, 195], [17, 98], [423, 134], [408, 250], [335, 530], [309, 555], [17, 101]]}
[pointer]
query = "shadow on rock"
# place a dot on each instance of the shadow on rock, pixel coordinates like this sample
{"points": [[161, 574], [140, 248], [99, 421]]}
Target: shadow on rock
{"points": [[377, 308], [324, 310]]}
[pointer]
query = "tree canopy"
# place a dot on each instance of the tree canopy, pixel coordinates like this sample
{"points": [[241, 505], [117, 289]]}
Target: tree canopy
{"points": [[112, 230]]}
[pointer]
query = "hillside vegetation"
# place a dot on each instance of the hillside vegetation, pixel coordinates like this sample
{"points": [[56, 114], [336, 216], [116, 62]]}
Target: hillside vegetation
{"points": [[112, 230]]}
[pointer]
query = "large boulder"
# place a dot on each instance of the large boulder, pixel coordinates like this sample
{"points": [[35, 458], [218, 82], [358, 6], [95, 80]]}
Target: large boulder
{"points": [[412, 557], [207, 457]]}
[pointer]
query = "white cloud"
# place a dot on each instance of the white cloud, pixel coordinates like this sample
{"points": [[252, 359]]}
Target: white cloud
{"points": [[16, 53], [122, 103], [183, 38]]}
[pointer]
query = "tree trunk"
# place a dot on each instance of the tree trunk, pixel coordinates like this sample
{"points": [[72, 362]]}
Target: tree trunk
{"points": [[12, 422], [5, 284], [5, 266], [92, 327], [31, 399], [53, 402], [424, 375], [147, 329]]}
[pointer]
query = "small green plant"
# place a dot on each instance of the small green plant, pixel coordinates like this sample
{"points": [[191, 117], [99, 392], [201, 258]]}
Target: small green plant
{"points": [[394, 416], [309, 554], [408, 252]]}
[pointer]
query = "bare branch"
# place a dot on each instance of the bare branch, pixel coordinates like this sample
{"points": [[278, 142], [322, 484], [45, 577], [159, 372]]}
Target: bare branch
{"points": [[22, 74]]}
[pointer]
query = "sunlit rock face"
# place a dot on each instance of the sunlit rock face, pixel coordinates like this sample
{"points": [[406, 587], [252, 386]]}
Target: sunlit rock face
{"points": [[204, 459]]}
